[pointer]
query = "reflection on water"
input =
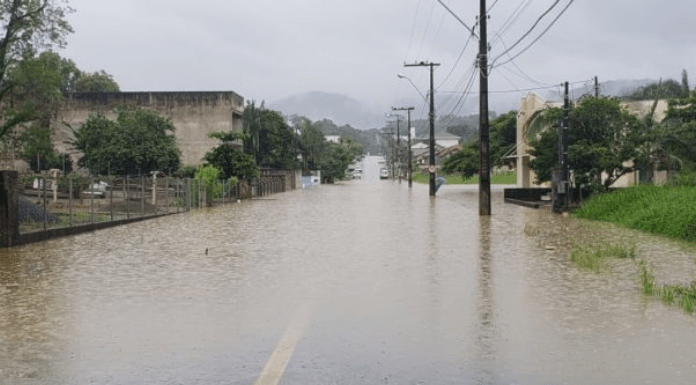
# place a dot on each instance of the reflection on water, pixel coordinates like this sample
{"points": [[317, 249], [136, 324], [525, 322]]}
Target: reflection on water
{"points": [[408, 289]]}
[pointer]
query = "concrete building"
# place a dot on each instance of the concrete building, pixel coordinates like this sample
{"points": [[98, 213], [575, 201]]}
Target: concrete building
{"points": [[193, 114], [532, 104]]}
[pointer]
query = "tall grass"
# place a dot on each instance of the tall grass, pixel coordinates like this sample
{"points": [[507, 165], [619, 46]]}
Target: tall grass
{"points": [[683, 296], [664, 210], [592, 256]]}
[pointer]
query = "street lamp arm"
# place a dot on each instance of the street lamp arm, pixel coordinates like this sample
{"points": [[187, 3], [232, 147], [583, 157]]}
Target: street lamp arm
{"points": [[414, 86]]}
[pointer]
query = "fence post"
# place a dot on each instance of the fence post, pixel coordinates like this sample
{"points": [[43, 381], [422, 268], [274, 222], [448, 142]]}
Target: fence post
{"points": [[187, 194], [125, 194], [91, 200], [142, 196], [70, 201], [111, 200], [43, 180], [9, 209]]}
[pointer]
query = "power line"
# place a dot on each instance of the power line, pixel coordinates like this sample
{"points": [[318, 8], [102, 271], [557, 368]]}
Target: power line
{"points": [[537, 39], [491, 7], [538, 20], [512, 19], [455, 63]]}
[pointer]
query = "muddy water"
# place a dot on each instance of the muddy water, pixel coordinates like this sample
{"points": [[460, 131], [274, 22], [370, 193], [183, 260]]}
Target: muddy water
{"points": [[391, 286]]}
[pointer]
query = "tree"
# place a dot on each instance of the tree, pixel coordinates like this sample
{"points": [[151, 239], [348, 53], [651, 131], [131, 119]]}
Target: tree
{"points": [[38, 150], [311, 144], [231, 161], [29, 26], [679, 137], [603, 137], [209, 175], [96, 82], [338, 157], [268, 137], [465, 162], [503, 135], [667, 89], [139, 141]]}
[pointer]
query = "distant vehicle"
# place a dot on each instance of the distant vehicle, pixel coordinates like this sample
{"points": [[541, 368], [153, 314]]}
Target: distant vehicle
{"points": [[358, 170], [384, 174], [357, 174]]}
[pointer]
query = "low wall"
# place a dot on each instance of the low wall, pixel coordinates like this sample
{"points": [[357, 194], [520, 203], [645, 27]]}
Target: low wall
{"points": [[526, 194], [43, 235]]}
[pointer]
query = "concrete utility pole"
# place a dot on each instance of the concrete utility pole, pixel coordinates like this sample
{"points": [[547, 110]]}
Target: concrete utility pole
{"points": [[410, 161], [562, 194], [398, 147], [484, 135], [432, 168]]}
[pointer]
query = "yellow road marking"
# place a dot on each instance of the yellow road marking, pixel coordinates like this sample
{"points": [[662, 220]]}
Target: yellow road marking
{"points": [[275, 367]]}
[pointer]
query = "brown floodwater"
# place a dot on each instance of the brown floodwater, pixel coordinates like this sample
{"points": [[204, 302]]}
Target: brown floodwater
{"points": [[372, 282]]}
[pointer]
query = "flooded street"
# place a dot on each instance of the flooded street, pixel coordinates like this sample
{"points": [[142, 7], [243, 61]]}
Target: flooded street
{"points": [[366, 282]]}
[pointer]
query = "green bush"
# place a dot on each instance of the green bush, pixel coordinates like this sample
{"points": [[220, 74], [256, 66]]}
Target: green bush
{"points": [[209, 176]]}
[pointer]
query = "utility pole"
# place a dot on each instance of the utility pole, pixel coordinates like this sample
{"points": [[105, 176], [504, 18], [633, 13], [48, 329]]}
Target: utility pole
{"points": [[398, 147], [431, 168], [391, 149], [484, 135], [562, 193], [410, 161], [596, 87]]}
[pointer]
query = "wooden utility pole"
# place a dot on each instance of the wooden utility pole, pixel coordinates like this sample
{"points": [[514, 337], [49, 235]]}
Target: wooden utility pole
{"points": [[484, 135], [410, 161], [432, 168], [596, 87]]}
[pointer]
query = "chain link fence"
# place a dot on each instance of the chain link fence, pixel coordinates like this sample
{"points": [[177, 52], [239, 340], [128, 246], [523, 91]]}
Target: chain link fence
{"points": [[47, 203]]}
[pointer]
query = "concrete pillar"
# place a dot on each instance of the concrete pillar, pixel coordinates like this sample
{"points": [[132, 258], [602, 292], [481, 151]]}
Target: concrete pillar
{"points": [[54, 187], [9, 208]]}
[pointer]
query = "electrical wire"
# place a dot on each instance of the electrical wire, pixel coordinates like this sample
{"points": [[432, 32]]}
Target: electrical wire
{"points": [[535, 40], [512, 19], [538, 20], [466, 45], [521, 72], [413, 28]]}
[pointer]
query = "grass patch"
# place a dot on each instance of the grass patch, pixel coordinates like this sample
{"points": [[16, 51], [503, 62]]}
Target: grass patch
{"points": [[592, 256], [505, 178], [683, 296], [663, 210]]}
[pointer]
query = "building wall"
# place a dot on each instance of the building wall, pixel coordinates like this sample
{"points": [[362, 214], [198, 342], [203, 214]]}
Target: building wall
{"points": [[531, 103], [193, 114]]}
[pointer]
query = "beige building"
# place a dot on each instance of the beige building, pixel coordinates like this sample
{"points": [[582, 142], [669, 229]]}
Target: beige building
{"points": [[193, 114], [531, 104]]}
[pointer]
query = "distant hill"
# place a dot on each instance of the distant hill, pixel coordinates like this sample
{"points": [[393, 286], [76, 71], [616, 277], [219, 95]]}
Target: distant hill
{"points": [[339, 108]]}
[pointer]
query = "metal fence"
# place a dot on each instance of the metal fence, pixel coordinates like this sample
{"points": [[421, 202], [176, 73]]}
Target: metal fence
{"points": [[46, 203]]}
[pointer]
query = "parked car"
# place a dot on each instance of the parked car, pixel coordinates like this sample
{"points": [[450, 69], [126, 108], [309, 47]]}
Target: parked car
{"points": [[383, 173]]}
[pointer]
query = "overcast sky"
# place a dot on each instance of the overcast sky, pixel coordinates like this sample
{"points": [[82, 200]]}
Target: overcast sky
{"points": [[271, 49]]}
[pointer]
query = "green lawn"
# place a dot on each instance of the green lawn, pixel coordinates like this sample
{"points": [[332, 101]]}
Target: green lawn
{"points": [[507, 178]]}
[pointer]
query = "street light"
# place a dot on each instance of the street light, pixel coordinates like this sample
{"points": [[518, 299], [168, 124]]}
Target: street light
{"points": [[402, 76]]}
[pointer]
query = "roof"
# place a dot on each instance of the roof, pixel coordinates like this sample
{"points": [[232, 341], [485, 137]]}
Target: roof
{"points": [[441, 136]]}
